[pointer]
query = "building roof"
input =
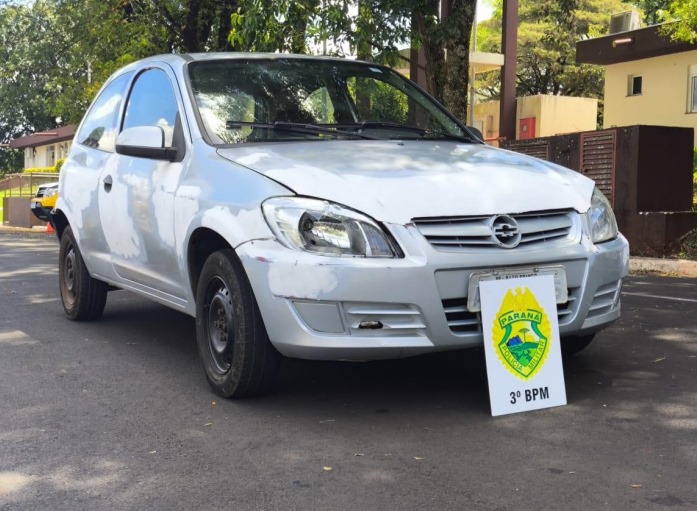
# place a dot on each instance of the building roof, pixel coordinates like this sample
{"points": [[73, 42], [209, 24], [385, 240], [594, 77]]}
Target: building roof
{"points": [[626, 46], [45, 137]]}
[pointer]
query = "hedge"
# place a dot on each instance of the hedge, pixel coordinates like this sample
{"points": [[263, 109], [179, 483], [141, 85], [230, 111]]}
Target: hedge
{"points": [[40, 170]]}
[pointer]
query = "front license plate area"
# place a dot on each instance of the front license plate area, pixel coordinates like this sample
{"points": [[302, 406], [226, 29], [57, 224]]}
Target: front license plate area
{"points": [[32, 205], [561, 290]]}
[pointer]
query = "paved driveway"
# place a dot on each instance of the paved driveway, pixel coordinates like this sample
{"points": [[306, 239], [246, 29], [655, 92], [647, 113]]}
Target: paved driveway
{"points": [[117, 415]]}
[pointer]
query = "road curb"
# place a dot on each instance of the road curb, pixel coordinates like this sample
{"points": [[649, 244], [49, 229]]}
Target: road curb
{"points": [[672, 267], [39, 230]]}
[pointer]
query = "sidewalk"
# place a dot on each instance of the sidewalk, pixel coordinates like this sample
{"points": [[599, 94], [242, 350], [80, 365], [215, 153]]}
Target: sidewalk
{"points": [[668, 267]]}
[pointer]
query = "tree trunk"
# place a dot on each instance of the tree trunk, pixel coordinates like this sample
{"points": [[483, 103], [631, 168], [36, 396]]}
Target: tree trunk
{"points": [[446, 47], [224, 25], [427, 33], [455, 71], [189, 31]]}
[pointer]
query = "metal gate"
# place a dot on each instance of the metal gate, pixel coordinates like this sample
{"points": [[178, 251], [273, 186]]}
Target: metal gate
{"points": [[538, 150], [598, 150]]}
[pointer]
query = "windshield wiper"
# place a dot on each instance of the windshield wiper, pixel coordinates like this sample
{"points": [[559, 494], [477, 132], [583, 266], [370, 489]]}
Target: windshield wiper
{"points": [[387, 125], [424, 133], [296, 127]]}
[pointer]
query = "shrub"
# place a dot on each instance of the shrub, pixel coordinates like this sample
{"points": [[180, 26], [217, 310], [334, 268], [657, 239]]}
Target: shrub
{"points": [[34, 170], [39, 170]]}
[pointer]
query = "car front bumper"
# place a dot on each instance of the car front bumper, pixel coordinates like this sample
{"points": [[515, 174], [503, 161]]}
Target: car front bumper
{"points": [[317, 307], [41, 212]]}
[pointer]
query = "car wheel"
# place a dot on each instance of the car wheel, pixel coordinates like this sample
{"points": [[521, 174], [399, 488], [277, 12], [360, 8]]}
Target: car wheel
{"points": [[83, 297], [572, 345], [238, 358]]}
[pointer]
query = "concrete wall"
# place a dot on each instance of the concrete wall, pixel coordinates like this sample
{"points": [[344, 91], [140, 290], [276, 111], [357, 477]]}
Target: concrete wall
{"points": [[554, 115], [17, 212], [665, 92], [488, 114], [561, 114]]}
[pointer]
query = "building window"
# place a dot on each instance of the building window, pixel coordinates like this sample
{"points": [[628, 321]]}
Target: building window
{"points": [[51, 156], [634, 85]]}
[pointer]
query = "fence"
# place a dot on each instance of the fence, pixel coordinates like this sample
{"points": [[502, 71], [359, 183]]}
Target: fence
{"points": [[24, 185]]}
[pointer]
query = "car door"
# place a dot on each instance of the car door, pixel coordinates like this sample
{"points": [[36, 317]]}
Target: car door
{"points": [[94, 150], [138, 193]]}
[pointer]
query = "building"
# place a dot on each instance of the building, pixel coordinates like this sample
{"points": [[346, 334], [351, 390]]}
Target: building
{"points": [[45, 148], [542, 115], [649, 79]]}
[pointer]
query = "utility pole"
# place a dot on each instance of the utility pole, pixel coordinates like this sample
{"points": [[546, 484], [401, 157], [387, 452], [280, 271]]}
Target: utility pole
{"points": [[473, 75], [509, 43]]}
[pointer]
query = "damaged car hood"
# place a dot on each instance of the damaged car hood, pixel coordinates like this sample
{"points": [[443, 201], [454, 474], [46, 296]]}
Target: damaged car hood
{"points": [[396, 181]]}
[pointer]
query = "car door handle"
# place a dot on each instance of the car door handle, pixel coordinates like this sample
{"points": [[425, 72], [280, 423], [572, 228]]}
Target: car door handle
{"points": [[107, 183]]}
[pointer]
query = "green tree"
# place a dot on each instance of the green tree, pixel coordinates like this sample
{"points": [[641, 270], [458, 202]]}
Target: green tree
{"points": [[271, 25], [371, 29], [683, 17], [26, 95], [524, 331], [547, 37], [190, 25], [653, 10]]}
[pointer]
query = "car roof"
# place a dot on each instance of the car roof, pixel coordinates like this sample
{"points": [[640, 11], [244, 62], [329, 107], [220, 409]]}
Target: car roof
{"points": [[225, 55], [178, 60]]}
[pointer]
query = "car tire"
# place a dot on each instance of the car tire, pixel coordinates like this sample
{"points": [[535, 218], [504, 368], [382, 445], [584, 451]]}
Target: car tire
{"points": [[83, 297], [572, 345], [238, 358]]}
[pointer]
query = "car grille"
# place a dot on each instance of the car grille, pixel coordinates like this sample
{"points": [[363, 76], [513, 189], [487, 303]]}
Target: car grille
{"points": [[605, 299], [461, 321], [395, 319], [474, 232]]}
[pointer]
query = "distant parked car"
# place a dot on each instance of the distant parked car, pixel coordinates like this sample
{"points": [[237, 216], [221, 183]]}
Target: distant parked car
{"points": [[44, 201], [316, 208]]}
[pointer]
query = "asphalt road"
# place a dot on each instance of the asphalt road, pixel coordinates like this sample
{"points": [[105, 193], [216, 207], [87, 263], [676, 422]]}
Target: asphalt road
{"points": [[117, 415]]}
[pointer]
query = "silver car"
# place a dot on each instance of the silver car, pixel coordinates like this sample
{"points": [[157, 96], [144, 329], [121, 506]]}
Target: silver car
{"points": [[316, 208]]}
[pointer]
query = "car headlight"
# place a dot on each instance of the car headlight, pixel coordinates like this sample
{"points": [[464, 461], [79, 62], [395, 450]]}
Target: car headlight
{"points": [[601, 219], [326, 228]]}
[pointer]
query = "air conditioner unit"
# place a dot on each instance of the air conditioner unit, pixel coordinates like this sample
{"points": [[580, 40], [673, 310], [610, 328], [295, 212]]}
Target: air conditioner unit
{"points": [[624, 21]]}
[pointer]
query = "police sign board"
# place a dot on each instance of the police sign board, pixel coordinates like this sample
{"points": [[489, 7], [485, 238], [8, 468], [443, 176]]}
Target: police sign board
{"points": [[521, 344]]}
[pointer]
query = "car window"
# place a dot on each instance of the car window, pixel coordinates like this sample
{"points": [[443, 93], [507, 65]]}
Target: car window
{"points": [[216, 108], [319, 104], [379, 101], [254, 100], [99, 127], [152, 103]]}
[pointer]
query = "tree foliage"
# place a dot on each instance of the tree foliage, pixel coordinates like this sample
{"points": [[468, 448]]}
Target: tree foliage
{"points": [[653, 10], [683, 17], [190, 25], [373, 30], [56, 54], [547, 36]]}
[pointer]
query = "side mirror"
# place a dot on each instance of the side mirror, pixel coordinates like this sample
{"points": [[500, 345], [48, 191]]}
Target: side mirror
{"points": [[145, 142]]}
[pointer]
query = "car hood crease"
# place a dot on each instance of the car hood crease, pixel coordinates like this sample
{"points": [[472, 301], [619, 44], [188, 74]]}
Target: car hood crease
{"points": [[397, 181]]}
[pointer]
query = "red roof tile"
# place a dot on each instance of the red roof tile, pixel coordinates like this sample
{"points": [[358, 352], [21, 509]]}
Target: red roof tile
{"points": [[45, 137]]}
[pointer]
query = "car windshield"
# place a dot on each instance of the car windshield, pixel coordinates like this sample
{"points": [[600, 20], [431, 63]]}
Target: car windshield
{"points": [[268, 100]]}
